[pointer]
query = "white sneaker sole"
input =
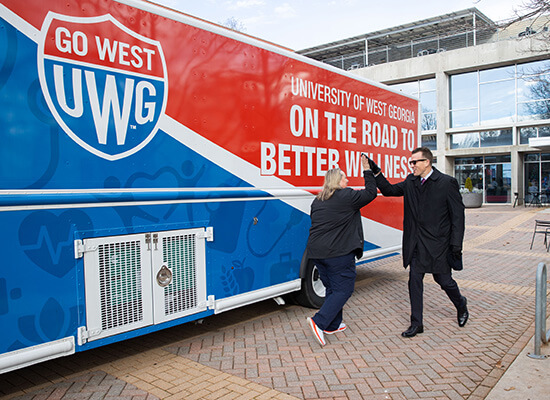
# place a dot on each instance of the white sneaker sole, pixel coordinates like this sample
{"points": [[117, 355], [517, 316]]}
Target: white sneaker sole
{"points": [[341, 328], [318, 333]]}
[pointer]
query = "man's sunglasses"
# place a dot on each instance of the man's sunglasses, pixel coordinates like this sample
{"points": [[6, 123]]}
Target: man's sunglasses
{"points": [[413, 162]]}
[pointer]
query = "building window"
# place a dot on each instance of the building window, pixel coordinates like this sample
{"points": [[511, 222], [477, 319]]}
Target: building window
{"points": [[500, 95], [496, 101], [464, 99], [429, 141], [425, 91], [537, 177], [533, 91], [501, 137], [533, 132], [492, 174]]}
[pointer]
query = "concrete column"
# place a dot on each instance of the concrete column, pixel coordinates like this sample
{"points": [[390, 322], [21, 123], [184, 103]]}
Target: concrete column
{"points": [[517, 174], [445, 164]]}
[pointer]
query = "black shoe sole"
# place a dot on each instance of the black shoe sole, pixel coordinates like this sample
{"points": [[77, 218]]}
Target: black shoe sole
{"points": [[408, 333]]}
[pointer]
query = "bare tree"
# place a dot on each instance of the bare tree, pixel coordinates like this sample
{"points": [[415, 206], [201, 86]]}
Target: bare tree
{"points": [[234, 24], [429, 121], [536, 13], [531, 9]]}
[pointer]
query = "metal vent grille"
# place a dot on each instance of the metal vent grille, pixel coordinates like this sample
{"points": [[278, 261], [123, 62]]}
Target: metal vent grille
{"points": [[120, 284], [179, 254]]}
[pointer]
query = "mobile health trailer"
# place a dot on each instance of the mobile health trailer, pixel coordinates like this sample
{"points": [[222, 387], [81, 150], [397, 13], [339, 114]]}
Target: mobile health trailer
{"points": [[157, 169]]}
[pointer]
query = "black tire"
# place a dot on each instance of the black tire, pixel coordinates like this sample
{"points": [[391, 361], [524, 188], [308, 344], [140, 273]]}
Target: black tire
{"points": [[312, 293]]}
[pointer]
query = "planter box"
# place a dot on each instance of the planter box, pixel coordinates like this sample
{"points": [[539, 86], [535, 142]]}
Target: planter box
{"points": [[472, 200]]}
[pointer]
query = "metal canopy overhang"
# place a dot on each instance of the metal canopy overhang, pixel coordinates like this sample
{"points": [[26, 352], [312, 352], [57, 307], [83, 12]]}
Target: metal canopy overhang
{"points": [[540, 143], [443, 24]]}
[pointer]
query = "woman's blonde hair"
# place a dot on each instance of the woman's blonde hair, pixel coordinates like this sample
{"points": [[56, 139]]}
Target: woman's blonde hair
{"points": [[332, 184]]}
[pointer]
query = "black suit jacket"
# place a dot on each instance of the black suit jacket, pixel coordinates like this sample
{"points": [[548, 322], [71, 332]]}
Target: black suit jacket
{"points": [[433, 219], [336, 228]]}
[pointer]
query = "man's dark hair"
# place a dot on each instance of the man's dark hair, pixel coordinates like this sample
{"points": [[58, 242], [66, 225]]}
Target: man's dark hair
{"points": [[426, 153]]}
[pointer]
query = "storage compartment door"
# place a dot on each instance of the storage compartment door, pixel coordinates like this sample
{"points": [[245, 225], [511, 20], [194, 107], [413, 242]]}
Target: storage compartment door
{"points": [[179, 274], [117, 273]]}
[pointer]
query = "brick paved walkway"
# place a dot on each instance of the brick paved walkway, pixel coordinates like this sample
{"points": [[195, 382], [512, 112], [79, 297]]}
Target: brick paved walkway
{"points": [[266, 351]]}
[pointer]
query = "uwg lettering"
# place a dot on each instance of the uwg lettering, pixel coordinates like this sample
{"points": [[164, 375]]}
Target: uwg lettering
{"points": [[116, 84]]}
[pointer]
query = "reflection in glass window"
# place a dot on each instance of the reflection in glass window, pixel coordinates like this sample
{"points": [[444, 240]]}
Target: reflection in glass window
{"points": [[501, 137], [497, 74], [532, 181], [534, 110], [463, 91], [544, 131], [465, 140], [496, 101], [526, 133], [545, 182], [468, 160], [410, 88], [498, 159], [427, 85], [499, 95], [532, 132], [428, 102], [498, 180], [492, 174], [463, 118], [429, 141], [463, 100], [425, 91], [474, 172], [429, 122], [533, 67], [536, 87]]}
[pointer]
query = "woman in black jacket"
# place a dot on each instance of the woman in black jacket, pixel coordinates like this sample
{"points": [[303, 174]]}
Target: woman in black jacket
{"points": [[335, 240]]}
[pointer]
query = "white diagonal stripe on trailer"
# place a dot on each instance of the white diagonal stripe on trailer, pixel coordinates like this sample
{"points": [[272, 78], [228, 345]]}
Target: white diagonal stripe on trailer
{"points": [[375, 232]]}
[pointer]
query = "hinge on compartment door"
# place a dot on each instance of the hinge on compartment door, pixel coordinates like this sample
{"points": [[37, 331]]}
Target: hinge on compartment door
{"points": [[209, 303], [208, 234], [155, 240], [82, 334], [80, 248]]}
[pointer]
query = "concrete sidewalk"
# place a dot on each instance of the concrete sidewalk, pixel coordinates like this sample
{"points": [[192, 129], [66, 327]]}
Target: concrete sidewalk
{"points": [[266, 351], [526, 378]]}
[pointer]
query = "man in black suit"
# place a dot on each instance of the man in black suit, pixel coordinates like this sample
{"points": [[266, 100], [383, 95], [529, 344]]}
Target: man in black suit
{"points": [[433, 231]]}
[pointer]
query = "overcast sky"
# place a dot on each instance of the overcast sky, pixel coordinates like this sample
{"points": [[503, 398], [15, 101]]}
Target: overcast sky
{"points": [[299, 24]]}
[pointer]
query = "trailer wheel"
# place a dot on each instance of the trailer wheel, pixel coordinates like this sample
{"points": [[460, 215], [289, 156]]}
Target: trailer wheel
{"points": [[312, 293]]}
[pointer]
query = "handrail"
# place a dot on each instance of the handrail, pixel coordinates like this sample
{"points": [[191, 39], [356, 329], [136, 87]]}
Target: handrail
{"points": [[540, 312]]}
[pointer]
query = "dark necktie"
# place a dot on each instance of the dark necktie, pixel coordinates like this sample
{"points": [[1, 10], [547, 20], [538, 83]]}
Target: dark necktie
{"points": [[422, 180]]}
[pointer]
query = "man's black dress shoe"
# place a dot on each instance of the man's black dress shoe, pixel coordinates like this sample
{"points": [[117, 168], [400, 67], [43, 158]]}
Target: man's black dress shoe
{"points": [[413, 331], [462, 314]]}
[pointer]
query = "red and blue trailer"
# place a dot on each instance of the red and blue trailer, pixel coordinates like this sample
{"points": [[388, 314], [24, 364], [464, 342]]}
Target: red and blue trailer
{"points": [[157, 169]]}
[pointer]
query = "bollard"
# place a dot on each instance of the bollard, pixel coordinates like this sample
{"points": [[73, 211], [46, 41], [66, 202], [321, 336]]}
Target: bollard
{"points": [[540, 312]]}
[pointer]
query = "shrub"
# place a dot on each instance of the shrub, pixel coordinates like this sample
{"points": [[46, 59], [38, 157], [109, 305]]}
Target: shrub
{"points": [[468, 184]]}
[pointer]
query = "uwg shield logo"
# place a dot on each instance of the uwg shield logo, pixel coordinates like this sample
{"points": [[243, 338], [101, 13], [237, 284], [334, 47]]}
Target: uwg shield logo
{"points": [[105, 84]]}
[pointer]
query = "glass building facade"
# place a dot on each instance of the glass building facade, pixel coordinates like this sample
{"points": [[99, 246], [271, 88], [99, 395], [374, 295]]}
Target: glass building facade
{"points": [[514, 100], [485, 103], [491, 174], [425, 91], [504, 95], [537, 177]]}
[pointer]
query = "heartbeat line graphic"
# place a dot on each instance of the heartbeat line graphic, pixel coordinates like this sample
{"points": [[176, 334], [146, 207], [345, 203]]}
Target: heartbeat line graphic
{"points": [[44, 238]]}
